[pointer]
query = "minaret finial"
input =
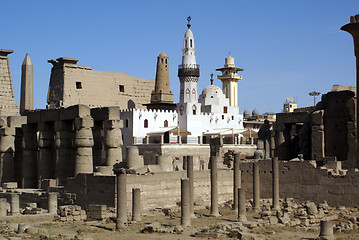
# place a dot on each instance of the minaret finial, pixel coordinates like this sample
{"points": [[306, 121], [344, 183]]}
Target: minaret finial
{"points": [[189, 22], [211, 78]]}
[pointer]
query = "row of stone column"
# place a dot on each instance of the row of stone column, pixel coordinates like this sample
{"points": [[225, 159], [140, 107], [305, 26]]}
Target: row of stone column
{"points": [[121, 206], [238, 192], [15, 204], [65, 148]]}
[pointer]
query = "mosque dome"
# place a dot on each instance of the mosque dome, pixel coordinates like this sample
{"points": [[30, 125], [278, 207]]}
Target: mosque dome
{"points": [[212, 90], [162, 54], [246, 113], [255, 113], [229, 62]]}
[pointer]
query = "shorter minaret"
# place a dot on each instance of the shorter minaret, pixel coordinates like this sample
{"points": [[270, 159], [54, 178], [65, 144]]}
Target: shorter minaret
{"points": [[27, 92], [229, 80], [162, 93]]}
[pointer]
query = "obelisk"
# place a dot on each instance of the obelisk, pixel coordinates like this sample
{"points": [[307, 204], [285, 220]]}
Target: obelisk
{"points": [[27, 91]]}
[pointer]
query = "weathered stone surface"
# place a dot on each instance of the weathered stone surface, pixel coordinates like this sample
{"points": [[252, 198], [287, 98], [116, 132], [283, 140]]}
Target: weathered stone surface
{"points": [[83, 85], [8, 106]]}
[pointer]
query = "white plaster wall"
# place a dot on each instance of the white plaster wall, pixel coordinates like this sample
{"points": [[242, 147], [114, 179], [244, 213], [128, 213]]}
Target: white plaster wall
{"points": [[156, 119]]}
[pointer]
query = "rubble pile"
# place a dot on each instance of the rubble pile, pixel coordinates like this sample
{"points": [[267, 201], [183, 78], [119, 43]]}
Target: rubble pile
{"points": [[70, 213]]}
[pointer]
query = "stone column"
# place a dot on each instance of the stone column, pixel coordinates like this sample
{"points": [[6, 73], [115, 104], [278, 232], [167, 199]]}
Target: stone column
{"points": [[29, 160], [214, 187], [52, 202], [15, 203], [326, 230], [275, 183], [113, 141], [121, 211], [147, 139], [179, 139], [280, 144], [7, 149], [45, 160], [83, 144], [133, 158], [136, 204], [64, 166], [162, 139], [185, 205], [236, 180], [184, 162], [3, 207], [256, 187], [353, 29], [190, 176], [242, 212], [98, 134]]}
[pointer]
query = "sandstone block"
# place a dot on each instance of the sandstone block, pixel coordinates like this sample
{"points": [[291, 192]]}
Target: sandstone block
{"points": [[317, 117], [74, 112], [84, 122], [9, 185], [111, 124]]}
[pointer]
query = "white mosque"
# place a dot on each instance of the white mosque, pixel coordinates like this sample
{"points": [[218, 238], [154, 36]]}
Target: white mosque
{"points": [[194, 119]]}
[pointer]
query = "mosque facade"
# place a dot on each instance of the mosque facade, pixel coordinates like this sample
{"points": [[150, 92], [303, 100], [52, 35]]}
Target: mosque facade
{"points": [[194, 119]]}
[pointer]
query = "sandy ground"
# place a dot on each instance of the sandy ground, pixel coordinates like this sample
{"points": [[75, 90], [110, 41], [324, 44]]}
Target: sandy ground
{"points": [[105, 229]]}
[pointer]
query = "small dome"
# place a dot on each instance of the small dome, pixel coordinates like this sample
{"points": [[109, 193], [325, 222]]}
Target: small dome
{"points": [[246, 113], [255, 112], [188, 34], [162, 54], [212, 89], [229, 62]]}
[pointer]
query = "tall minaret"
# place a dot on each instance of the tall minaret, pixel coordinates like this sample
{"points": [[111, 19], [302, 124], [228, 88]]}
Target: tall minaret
{"points": [[188, 71], [27, 93], [229, 80]]}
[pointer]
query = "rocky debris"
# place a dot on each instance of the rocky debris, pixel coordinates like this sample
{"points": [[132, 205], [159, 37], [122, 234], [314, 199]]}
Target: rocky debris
{"points": [[156, 227], [311, 208], [70, 213], [31, 208]]}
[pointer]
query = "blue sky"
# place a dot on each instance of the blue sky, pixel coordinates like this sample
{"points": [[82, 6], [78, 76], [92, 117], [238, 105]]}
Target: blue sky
{"points": [[287, 48]]}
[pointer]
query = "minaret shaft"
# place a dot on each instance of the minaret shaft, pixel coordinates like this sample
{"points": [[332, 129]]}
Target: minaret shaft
{"points": [[229, 80], [188, 71]]}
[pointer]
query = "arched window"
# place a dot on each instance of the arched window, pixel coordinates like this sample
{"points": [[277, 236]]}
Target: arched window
{"points": [[194, 109], [161, 60], [165, 123], [145, 123], [190, 42], [166, 61], [185, 45], [127, 123]]}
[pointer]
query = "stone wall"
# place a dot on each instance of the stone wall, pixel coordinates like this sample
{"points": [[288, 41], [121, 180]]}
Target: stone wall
{"points": [[161, 189], [72, 84], [298, 179]]}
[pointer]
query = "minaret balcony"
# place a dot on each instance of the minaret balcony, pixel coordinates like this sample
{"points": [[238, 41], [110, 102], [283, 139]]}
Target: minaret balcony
{"points": [[230, 76], [188, 70]]}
